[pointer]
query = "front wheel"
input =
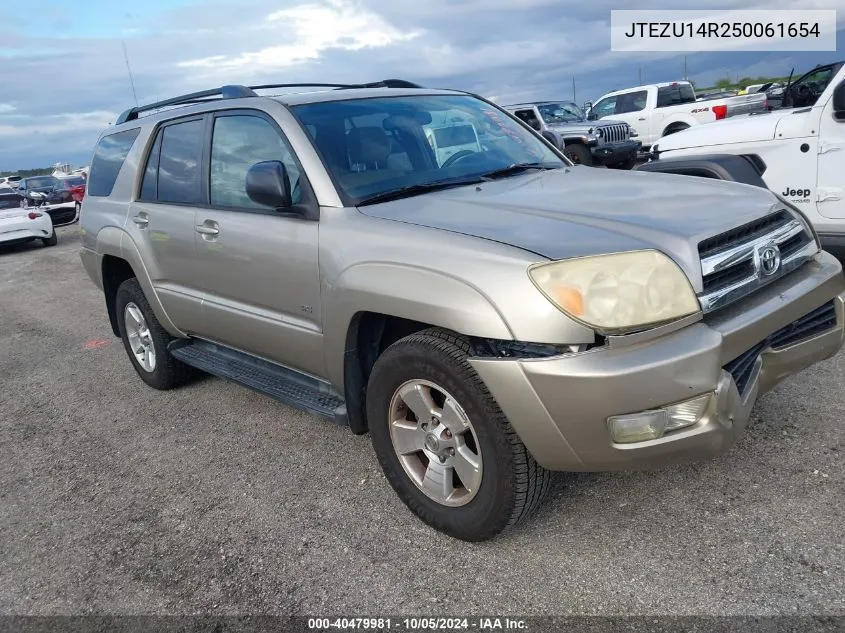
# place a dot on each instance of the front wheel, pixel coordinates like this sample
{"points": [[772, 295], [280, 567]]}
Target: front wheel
{"points": [[578, 154], [444, 444]]}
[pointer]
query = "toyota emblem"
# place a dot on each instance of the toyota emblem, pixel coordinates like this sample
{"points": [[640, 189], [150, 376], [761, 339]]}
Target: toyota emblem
{"points": [[769, 258]]}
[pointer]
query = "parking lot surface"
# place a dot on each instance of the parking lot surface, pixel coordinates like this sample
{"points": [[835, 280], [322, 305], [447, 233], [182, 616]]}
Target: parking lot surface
{"points": [[120, 499]]}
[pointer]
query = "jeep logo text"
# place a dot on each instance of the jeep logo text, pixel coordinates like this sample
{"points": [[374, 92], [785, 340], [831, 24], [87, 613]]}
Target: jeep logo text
{"points": [[796, 193]]}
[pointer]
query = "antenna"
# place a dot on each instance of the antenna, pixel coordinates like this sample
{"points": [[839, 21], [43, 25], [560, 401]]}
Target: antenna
{"points": [[129, 70]]}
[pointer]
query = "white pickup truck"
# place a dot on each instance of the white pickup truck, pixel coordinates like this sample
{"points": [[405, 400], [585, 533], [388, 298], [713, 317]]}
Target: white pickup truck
{"points": [[800, 150], [657, 110]]}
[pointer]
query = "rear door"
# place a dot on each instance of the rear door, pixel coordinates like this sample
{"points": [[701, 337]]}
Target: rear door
{"points": [[162, 218], [259, 268]]}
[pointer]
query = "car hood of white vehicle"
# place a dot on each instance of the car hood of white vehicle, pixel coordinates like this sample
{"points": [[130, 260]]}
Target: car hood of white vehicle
{"points": [[740, 129]]}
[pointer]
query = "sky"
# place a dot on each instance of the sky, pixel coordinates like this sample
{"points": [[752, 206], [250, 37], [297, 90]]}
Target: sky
{"points": [[64, 78]]}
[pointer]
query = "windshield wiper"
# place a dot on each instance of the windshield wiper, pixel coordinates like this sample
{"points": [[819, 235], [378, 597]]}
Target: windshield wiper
{"points": [[413, 190], [517, 168]]}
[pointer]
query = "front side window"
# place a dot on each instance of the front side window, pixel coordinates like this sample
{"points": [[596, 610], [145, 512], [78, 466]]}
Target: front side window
{"points": [[605, 107], [238, 143], [179, 174], [418, 141], [631, 102], [109, 156]]}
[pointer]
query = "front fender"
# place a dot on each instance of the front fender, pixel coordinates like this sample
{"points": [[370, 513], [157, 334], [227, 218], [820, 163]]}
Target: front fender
{"points": [[417, 294], [129, 252]]}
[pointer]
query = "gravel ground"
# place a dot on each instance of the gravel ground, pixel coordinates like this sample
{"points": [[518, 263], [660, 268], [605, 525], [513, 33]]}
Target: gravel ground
{"points": [[119, 499]]}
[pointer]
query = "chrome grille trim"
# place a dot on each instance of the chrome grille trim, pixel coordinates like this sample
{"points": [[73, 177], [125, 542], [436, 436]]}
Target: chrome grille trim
{"points": [[746, 250], [614, 133], [731, 270]]}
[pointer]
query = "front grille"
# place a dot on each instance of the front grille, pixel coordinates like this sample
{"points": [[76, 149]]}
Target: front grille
{"points": [[732, 263], [615, 133], [810, 325]]}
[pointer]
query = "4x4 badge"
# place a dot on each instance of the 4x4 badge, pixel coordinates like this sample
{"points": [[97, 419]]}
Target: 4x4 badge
{"points": [[769, 260]]}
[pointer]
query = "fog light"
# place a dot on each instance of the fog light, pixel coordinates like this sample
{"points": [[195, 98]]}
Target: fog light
{"points": [[638, 427], [652, 425], [687, 413]]}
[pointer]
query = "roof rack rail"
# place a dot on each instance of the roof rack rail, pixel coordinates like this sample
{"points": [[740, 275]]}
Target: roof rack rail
{"points": [[240, 92]]}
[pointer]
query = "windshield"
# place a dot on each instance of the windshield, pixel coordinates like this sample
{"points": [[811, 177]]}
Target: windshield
{"points": [[560, 112], [40, 183], [372, 147], [74, 181]]}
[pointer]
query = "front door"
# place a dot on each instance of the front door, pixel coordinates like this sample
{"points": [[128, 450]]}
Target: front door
{"points": [[830, 190], [259, 267]]}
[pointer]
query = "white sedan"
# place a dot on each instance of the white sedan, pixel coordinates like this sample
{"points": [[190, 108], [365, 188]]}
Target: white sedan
{"points": [[23, 225]]}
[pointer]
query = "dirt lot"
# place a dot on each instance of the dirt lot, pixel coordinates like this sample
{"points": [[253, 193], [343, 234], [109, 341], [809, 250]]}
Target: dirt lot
{"points": [[119, 499]]}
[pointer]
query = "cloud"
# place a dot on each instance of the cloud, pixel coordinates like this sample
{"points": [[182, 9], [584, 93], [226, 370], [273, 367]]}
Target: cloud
{"points": [[312, 28], [65, 89]]}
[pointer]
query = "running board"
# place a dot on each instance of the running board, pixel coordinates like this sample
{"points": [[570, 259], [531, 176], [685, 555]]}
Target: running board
{"points": [[280, 383]]}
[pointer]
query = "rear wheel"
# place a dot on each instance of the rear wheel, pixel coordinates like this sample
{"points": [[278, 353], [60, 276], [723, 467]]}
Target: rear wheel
{"points": [[678, 127], [146, 340], [52, 240], [443, 443], [578, 154]]}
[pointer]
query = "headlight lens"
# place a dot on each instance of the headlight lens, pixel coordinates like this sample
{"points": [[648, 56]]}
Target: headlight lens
{"points": [[620, 292]]}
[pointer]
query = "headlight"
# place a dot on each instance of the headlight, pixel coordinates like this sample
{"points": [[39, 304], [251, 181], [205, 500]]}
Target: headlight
{"points": [[620, 292], [598, 132]]}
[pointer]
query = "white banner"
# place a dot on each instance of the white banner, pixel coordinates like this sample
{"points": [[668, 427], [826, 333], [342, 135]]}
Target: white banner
{"points": [[714, 30]]}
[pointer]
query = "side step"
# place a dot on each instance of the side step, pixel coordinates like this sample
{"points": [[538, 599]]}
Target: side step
{"points": [[280, 383]]}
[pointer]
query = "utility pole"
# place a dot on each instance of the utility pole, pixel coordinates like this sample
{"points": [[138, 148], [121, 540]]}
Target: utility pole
{"points": [[574, 99], [685, 67], [640, 82]]}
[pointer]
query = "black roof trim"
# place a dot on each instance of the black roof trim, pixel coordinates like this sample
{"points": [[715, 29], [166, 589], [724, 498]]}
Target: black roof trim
{"points": [[240, 92]]}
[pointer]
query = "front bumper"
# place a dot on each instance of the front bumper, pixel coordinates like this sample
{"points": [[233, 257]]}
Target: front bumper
{"points": [[559, 406], [616, 152]]}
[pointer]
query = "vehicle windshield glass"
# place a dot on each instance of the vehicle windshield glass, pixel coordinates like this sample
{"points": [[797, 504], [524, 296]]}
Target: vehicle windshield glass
{"points": [[376, 146], [74, 181], [560, 112], [39, 183]]}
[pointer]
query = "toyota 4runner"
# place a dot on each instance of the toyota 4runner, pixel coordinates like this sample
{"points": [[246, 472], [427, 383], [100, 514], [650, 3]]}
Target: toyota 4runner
{"points": [[488, 316]]}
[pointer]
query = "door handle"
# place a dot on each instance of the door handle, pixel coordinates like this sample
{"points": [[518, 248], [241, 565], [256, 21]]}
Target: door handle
{"points": [[141, 220], [642, 118], [204, 229]]}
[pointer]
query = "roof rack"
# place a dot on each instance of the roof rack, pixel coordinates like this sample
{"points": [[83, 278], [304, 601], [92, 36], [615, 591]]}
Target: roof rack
{"points": [[240, 92]]}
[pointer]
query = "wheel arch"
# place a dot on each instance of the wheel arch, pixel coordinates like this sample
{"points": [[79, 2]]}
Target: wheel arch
{"points": [[373, 305]]}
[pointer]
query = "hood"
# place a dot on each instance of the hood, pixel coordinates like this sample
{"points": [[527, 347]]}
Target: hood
{"points": [[581, 211], [583, 125], [739, 129]]}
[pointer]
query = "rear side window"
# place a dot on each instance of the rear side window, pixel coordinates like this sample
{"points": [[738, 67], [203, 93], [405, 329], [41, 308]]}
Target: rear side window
{"points": [[109, 156], [149, 187], [179, 173], [674, 95]]}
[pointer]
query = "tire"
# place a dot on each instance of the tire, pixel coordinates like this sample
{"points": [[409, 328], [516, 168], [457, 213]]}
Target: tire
{"points": [[625, 164], [578, 154], [52, 240], [166, 372], [512, 485]]}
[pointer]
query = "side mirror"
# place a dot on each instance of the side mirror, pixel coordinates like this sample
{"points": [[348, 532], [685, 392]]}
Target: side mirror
{"points": [[587, 105], [839, 102], [267, 183]]}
